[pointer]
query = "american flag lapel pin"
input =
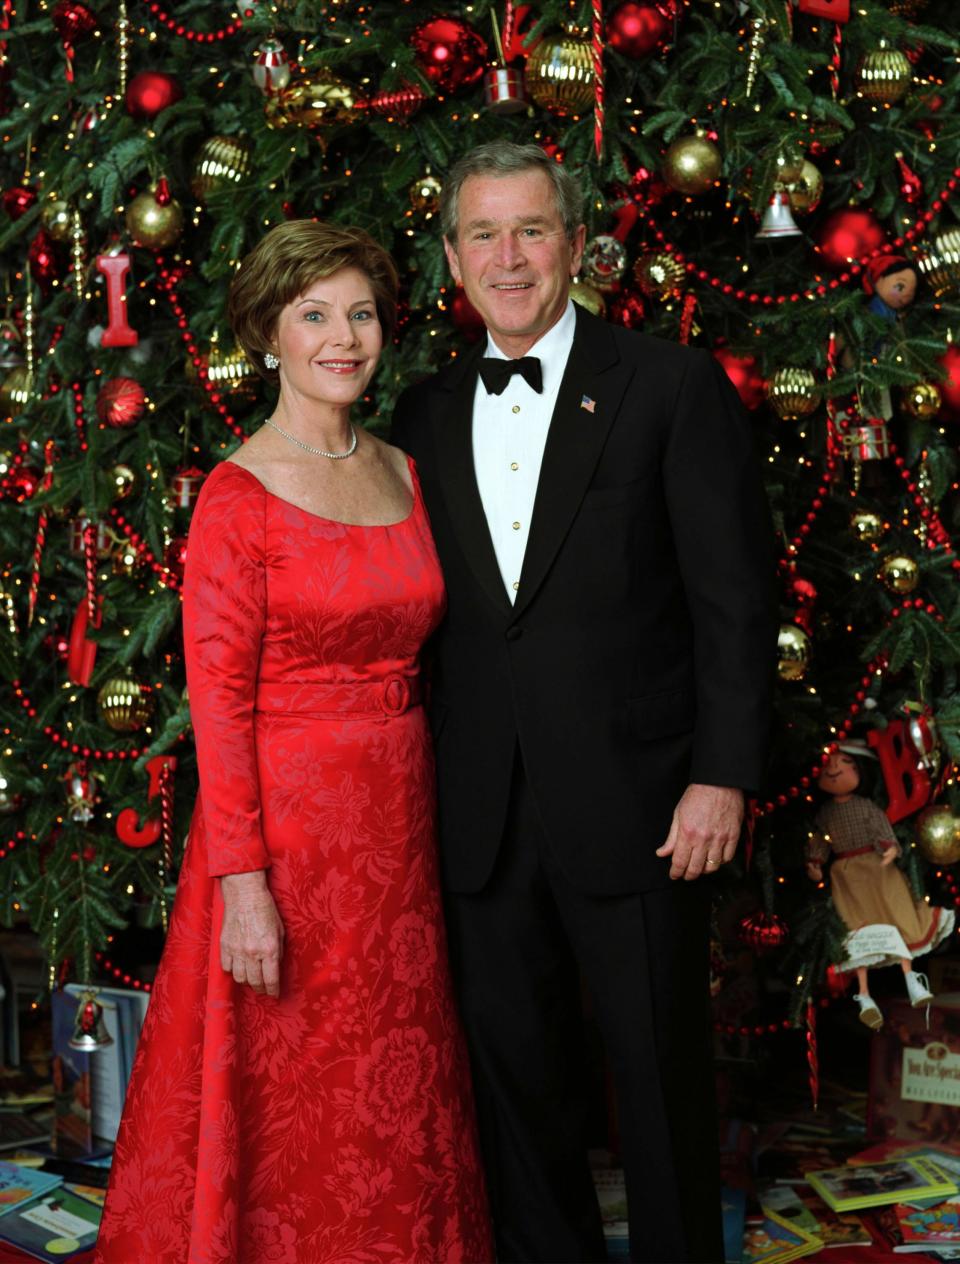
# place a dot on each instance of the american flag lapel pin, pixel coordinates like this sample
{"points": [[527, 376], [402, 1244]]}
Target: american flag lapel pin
{"points": [[587, 404]]}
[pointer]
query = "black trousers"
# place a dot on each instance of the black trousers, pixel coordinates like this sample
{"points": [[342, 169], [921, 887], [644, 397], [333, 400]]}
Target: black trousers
{"points": [[518, 948]]}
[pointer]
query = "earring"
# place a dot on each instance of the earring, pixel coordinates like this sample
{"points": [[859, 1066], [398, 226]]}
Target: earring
{"points": [[270, 361]]}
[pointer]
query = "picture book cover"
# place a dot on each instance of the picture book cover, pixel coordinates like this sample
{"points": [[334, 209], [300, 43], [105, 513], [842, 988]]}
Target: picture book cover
{"points": [[56, 1225], [853, 1186], [770, 1239], [20, 1184], [804, 1210], [929, 1225]]}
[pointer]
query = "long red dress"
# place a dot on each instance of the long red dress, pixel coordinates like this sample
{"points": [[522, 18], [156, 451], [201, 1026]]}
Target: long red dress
{"points": [[333, 1125]]}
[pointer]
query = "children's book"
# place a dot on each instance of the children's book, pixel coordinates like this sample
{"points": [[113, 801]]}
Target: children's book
{"points": [[854, 1186], [53, 1226], [19, 1184], [804, 1210], [733, 1205], [769, 1239], [20, 1129], [923, 1228], [611, 1190]]}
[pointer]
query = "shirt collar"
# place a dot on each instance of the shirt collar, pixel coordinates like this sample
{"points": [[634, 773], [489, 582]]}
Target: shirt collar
{"points": [[552, 349]]}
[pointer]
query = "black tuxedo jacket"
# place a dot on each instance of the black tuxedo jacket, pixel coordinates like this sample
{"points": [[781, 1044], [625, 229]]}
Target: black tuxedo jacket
{"points": [[640, 653]]}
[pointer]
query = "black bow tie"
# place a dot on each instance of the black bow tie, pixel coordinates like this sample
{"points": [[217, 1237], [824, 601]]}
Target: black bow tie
{"points": [[496, 374]]}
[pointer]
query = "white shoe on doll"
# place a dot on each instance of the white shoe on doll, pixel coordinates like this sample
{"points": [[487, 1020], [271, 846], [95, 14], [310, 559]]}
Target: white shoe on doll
{"points": [[869, 1013], [918, 988]]}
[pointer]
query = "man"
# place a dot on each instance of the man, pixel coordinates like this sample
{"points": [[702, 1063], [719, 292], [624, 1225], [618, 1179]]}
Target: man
{"points": [[600, 696]]}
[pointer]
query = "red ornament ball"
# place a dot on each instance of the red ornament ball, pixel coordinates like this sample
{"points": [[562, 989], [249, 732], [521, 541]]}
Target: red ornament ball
{"points": [[73, 20], [449, 52], [763, 931], [950, 388], [466, 318], [42, 257], [639, 29], [18, 200], [23, 482], [847, 235], [837, 982], [744, 373], [121, 401], [151, 92], [627, 309]]}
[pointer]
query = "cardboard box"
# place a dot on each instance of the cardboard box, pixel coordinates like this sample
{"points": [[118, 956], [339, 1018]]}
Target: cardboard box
{"points": [[915, 1073]]}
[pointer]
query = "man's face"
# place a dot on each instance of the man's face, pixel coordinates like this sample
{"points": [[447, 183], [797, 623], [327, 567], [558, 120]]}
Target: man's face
{"points": [[512, 255]]}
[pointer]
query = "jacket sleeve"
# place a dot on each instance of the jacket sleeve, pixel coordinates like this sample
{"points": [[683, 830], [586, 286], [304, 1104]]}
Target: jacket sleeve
{"points": [[224, 613], [724, 542]]}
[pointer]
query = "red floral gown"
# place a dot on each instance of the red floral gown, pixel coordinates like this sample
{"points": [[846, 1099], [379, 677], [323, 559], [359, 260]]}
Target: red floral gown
{"points": [[333, 1125]]}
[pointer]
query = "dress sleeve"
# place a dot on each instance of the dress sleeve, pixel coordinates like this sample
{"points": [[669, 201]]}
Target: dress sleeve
{"points": [[883, 835], [224, 613]]}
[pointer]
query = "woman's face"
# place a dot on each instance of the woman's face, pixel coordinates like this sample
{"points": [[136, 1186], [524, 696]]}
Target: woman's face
{"points": [[328, 339], [840, 774]]}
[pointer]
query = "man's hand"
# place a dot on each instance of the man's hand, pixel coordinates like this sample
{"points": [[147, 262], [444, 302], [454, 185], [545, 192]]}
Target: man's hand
{"points": [[705, 830], [251, 941]]}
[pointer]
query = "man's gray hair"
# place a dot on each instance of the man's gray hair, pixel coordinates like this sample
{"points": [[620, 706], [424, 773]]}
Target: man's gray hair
{"points": [[506, 158]]}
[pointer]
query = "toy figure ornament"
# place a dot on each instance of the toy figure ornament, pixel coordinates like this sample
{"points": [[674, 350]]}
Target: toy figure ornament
{"points": [[886, 924]]}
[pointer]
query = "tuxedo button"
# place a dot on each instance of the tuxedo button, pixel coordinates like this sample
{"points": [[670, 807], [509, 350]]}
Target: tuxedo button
{"points": [[514, 633]]}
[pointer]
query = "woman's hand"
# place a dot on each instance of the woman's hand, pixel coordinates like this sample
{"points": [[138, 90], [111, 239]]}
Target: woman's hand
{"points": [[251, 941], [890, 854]]}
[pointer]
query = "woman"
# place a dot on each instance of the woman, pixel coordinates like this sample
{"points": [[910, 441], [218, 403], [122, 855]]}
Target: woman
{"points": [[301, 1090]]}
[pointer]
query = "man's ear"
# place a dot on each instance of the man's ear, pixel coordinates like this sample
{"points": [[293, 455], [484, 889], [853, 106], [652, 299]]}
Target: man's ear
{"points": [[452, 259], [577, 243]]}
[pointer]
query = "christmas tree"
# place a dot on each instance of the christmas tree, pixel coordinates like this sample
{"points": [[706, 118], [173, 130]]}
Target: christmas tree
{"points": [[752, 171]]}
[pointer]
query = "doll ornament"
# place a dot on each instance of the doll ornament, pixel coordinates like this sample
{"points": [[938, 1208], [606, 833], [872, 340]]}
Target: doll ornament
{"points": [[886, 925], [891, 283]]}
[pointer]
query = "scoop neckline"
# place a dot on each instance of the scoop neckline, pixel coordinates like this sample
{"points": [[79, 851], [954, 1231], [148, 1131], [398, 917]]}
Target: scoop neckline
{"points": [[338, 522]]}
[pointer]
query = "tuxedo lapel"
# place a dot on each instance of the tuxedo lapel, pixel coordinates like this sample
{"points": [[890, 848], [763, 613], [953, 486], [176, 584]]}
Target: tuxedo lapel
{"points": [[592, 387], [453, 428]]}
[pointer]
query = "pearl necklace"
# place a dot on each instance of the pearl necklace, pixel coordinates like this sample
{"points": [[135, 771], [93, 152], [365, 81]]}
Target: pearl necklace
{"points": [[332, 456]]}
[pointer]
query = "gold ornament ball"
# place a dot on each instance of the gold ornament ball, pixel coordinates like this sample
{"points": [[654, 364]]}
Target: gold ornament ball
{"points": [[793, 652], [806, 191], [313, 99], [125, 704], [229, 372], [122, 481], [588, 297], [900, 574], [15, 391], [425, 194], [940, 263], [789, 163], [56, 217], [692, 164], [221, 163], [792, 392], [151, 224], [884, 75], [867, 526], [659, 275], [922, 400], [938, 835], [559, 74]]}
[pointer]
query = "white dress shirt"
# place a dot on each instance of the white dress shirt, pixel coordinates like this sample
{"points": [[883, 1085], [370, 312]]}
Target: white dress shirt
{"points": [[509, 435]]}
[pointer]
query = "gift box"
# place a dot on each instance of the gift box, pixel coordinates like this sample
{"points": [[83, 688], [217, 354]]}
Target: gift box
{"points": [[915, 1072]]}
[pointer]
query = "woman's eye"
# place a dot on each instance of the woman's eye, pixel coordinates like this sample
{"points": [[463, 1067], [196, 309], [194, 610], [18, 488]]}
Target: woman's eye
{"points": [[310, 315], [364, 315]]}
